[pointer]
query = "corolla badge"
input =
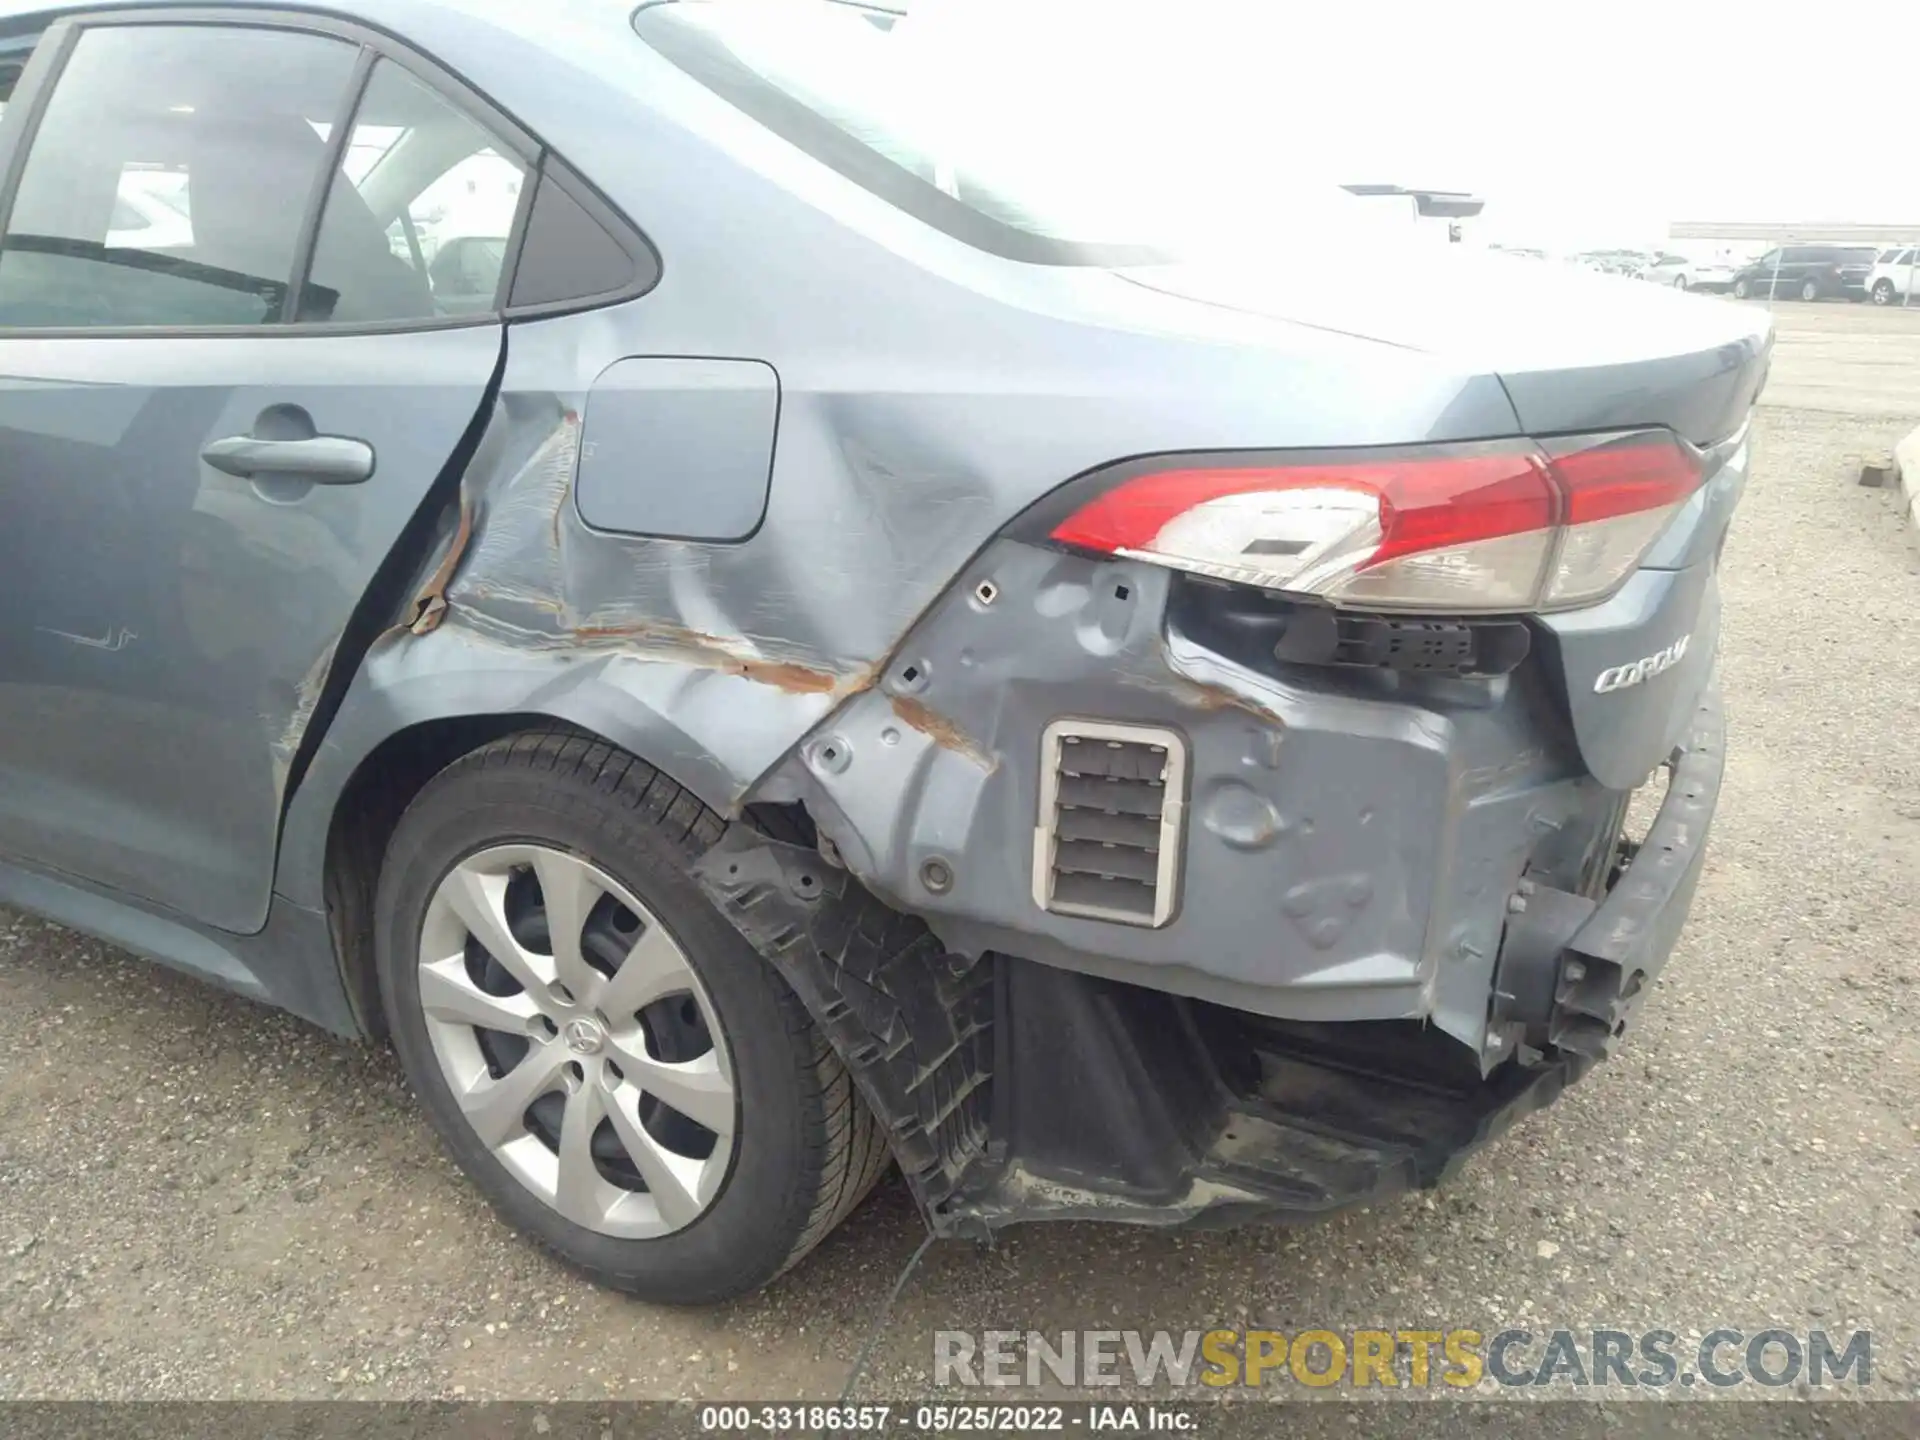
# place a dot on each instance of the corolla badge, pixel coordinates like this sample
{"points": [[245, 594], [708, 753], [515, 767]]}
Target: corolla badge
{"points": [[1619, 677]]}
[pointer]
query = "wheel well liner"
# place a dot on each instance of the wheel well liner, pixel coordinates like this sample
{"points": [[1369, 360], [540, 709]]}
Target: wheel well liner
{"points": [[368, 808]]}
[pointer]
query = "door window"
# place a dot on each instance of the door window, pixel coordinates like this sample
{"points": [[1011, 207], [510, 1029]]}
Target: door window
{"points": [[169, 176], [420, 215]]}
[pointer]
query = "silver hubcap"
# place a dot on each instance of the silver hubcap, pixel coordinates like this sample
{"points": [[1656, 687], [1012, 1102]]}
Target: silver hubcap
{"points": [[577, 1040]]}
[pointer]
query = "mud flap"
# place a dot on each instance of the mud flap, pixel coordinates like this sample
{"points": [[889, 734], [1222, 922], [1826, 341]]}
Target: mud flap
{"points": [[913, 1022]]}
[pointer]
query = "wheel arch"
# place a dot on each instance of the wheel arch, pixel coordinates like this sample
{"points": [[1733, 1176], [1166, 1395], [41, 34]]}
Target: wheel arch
{"points": [[420, 703], [363, 818]]}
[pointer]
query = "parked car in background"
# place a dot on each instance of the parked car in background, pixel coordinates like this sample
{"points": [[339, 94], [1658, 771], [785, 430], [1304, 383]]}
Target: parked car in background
{"points": [[1806, 272], [1611, 262], [748, 663], [1892, 276], [1683, 273], [1600, 262]]}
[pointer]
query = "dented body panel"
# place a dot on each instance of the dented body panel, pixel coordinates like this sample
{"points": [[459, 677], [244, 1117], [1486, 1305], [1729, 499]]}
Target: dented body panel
{"points": [[1399, 909], [1310, 890], [714, 659]]}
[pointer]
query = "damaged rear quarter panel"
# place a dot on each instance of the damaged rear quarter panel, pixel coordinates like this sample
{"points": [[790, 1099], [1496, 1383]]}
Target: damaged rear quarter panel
{"points": [[928, 394], [713, 660]]}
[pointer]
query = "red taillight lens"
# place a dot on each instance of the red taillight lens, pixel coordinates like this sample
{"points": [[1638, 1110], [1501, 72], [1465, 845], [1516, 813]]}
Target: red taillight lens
{"points": [[1483, 527], [1621, 474]]}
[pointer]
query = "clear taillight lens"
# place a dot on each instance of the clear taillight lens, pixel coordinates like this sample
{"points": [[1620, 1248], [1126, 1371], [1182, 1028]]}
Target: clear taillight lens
{"points": [[1507, 526], [1621, 490]]}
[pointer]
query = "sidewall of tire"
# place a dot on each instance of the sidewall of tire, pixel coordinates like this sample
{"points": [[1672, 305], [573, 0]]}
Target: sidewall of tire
{"points": [[748, 1233]]}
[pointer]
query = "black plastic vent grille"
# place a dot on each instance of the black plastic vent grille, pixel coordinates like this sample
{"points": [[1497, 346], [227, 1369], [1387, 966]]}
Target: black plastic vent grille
{"points": [[1112, 804]]}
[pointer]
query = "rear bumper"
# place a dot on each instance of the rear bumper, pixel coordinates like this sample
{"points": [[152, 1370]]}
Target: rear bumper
{"points": [[1016, 1091], [1394, 930], [1612, 959]]}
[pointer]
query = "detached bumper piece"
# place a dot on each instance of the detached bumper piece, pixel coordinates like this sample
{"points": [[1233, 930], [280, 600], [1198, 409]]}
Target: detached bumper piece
{"points": [[1015, 1091], [1572, 972]]}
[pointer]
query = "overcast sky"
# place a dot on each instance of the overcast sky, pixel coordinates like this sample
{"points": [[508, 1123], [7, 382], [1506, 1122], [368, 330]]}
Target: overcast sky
{"points": [[1581, 125]]}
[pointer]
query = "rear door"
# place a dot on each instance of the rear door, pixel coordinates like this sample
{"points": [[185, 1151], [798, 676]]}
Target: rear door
{"points": [[1796, 262], [1822, 266], [1855, 265], [207, 447]]}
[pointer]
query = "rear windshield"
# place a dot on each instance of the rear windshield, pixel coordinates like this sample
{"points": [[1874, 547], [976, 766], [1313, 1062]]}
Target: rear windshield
{"points": [[984, 148], [1857, 257]]}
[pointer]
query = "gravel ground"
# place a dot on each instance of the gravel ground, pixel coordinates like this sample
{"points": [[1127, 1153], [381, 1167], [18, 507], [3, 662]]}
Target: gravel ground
{"points": [[199, 1198]]}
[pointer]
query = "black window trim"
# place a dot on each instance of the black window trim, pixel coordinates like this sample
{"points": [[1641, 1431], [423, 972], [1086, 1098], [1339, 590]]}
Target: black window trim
{"points": [[62, 33], [339, 136]]}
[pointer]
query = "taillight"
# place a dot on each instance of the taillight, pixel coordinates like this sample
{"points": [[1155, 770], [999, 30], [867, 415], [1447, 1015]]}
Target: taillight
{"points": [[1621, 490], [1503, 526]]}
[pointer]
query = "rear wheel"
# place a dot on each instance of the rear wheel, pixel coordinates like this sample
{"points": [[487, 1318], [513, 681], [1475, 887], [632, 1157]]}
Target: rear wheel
{"points": [[602, 1053], [1883, 292], [1741, 289], [1680, 282]]}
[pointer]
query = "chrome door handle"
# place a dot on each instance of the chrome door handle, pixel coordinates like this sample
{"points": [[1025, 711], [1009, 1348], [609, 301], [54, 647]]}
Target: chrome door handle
{"points": [[322, 459]]}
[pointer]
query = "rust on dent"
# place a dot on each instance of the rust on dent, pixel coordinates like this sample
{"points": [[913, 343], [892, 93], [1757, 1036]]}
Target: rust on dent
{"points": [[713, 653], [430, 605], [1200, 695], [939, 729], [571, 420]]}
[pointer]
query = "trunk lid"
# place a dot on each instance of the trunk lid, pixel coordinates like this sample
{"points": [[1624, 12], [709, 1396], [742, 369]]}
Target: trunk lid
{"points": [[1575, 350]]}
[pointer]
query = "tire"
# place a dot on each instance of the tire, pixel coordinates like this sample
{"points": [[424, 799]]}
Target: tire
{"points": [[1741, 289], [588, 819], [1680, 281], [1809, 290], [1883, 292]]}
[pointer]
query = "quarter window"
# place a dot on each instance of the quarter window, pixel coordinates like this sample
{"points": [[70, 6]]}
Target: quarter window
{"points": [[569, 256], [14, 54], [420, 214], [168, 177]]}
